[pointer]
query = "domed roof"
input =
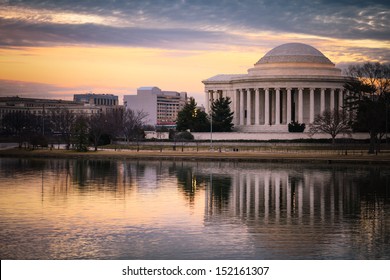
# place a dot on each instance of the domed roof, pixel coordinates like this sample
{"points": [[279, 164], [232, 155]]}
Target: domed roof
{"points": [[295, 53]]}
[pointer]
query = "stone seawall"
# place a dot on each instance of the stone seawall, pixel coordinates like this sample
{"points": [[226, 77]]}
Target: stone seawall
{"points": [[256, 136]]}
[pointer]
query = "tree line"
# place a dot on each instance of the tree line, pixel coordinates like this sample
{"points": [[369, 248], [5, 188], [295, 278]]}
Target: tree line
{"points": [[60, 125], [366, 106], [194, 119], [78, 130]]}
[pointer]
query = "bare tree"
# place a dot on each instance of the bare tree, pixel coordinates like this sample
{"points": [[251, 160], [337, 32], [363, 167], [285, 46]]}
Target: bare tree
{"points": [[331, 122], [62, 121], [98, 125], [114, 121], [133, 123], [373, 74], [22, 125]]}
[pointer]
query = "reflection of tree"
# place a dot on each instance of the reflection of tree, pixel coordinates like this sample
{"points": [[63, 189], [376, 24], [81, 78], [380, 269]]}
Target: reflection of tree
{"points": [[9, 167], [140, 169], [374, 192], [80, 170], [189, 182], [220, 190], [102, 173]]}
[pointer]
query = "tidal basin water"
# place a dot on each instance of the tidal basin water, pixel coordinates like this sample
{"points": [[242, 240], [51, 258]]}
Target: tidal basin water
{"points": [[123, 209]]}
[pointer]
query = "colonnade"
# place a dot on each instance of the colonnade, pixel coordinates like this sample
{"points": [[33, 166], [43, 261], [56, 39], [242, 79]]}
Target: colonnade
{"points": [[279, 106]]}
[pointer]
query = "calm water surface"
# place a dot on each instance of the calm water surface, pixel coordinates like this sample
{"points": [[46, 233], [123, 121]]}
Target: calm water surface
{"points": [[93, 209]]}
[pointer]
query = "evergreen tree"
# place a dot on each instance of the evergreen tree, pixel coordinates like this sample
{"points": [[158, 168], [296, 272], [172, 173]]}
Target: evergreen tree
{"points": [[221, 114], [192, 118], [80, 133], [202, 122], [368, 100]]}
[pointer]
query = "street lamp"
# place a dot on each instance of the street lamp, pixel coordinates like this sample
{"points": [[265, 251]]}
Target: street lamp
{"points": [[43, 120], [387, 114], [211, 127]]}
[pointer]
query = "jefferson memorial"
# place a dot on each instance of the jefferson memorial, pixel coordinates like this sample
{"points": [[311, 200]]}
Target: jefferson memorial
{"points": [[292, 82]]}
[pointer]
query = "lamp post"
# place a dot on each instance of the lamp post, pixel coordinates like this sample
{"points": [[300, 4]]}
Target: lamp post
{"points": [[211, 128], [43, 120], [387, 115]]}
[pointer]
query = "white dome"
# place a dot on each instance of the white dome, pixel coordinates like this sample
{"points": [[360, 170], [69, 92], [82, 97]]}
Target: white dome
{"points": [[294, 59], [294, 53]]}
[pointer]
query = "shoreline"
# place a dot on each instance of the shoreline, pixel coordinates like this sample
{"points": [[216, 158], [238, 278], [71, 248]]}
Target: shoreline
{"points": [[310, 156]]}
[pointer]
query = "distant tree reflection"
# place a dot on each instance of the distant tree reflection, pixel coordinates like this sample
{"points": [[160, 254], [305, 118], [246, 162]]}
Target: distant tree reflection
{"points": [[220, 190], [189, 181]]}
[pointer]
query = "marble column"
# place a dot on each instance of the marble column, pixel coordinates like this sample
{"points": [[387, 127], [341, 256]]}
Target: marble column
{"points": [[300, 105], [311, 105], [237, 107], [331, 100], [248, 107], [288, 105], [257, 106], [322, 100], [208, 101], [242, 109], [277, 106], [266, 106], [341, 99]]}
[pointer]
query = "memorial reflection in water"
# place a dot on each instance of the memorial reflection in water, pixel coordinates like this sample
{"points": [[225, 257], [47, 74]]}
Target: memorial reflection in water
{"points": [[193, 210]]}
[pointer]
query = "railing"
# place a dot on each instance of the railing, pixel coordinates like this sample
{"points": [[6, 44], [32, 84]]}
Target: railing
{"points": [[264, 148]]}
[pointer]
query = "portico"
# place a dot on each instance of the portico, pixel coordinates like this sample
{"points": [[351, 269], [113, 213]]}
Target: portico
{"points": [[293, 82]]}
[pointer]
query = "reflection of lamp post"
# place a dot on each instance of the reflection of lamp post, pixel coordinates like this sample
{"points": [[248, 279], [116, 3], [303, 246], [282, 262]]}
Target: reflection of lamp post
{"points": [[209, 195]]}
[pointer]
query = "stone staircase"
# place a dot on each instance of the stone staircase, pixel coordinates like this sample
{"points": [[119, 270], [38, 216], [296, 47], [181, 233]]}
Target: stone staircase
{"points": [[262, 128]]}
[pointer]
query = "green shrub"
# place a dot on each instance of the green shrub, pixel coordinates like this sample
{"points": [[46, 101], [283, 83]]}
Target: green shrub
{"points": [[296, 127], [184, 136]]}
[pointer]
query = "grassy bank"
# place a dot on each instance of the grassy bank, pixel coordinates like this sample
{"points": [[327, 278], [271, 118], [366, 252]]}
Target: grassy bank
{"points": [[275, 155]]}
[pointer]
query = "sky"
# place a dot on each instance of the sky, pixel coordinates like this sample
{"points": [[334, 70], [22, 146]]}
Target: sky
{"points": [[57, 48]]}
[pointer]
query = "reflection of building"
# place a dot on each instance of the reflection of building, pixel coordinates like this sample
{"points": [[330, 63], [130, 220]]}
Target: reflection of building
{"points": [[272, 195], [161, 106], [305, 212], [292, 82]]}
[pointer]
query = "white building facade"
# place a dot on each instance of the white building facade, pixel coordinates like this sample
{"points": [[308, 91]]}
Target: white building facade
{"points": [[292, 82], [161, 106]]}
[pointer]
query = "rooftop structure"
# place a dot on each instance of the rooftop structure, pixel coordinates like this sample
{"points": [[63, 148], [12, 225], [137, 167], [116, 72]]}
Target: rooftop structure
{"points": [[161, 106], [97, 99]]}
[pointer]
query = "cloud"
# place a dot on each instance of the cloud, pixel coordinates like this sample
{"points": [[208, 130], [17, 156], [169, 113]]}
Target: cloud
{"points": [[168, 23], [36, 90], [18, 33], [50, 91]]}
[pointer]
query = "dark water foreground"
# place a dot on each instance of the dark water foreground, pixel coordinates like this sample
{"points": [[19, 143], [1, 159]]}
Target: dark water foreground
{"points": [[124, 209]]}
